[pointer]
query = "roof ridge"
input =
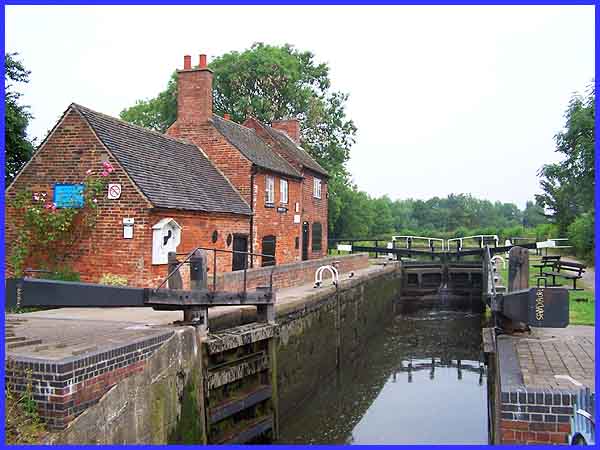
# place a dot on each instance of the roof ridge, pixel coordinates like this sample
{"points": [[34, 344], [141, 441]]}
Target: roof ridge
{"points": [[132, 125], [253, 132], [269, 128]]}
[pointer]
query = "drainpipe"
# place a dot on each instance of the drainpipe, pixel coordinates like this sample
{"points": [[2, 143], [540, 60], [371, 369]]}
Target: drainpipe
{"points": [[251, 238]]}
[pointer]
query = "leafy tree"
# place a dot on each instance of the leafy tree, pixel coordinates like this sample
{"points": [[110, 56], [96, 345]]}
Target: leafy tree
{"points": [[533, 215], [568, 186], [18, 147], [269, 82]]}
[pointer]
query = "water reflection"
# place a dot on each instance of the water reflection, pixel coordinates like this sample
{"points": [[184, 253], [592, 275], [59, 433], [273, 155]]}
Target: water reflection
{"points": [[421, 381]]}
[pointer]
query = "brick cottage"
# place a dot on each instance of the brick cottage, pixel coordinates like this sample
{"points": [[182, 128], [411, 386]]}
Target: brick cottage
{"points": [[207, 182]]}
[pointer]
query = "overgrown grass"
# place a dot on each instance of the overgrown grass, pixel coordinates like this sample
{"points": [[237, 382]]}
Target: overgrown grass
{"points": [[581, 303], [23, 425]]}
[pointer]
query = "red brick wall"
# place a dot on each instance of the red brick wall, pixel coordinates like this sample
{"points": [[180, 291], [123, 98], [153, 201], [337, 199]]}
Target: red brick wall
{"points": [[64, 158], [267, 221], [535, 417], [292, 274], [197, 230], [315, 210], [521, 432]]}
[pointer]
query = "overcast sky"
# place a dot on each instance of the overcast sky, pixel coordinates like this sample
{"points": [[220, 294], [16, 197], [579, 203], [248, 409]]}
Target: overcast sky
{"points": [[454, 99]]}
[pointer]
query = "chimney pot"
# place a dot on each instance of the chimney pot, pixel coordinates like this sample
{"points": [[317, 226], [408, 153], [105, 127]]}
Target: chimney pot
{"points": [[187, 62], [203, 61], [226, 116]]}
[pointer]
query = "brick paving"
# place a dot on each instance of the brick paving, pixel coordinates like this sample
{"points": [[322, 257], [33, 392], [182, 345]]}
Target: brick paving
{"points": [[557, 358]]}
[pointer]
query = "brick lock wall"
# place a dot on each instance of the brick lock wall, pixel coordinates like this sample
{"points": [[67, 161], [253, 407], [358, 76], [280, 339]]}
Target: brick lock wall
{"points": [[535, 417], [64, 158]]}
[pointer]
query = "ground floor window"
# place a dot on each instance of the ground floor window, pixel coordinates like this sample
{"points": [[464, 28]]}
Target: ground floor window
{"points": [[268, 248]]}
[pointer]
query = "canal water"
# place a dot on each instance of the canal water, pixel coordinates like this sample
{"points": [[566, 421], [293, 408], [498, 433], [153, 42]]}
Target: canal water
{"points": [[422, 380]]}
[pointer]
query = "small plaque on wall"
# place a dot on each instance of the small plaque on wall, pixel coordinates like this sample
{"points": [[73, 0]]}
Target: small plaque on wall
{"points": [[296, 218]]}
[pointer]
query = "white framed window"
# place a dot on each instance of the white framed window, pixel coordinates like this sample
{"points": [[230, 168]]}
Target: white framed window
{"points": [[283, 191], [317, 188], [270, 190]]}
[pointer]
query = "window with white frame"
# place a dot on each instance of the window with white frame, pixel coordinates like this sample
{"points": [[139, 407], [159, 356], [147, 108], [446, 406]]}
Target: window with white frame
{"points": [[317, 188], [283, 191], [270, 190]]}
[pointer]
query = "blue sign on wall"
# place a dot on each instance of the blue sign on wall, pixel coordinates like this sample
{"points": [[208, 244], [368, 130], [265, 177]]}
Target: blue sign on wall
{"points": [[68, 195]]}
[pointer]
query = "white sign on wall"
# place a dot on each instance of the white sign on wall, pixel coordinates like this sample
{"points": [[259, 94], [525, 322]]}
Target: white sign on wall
{"points": [[296, 218], [128, 227], [114, 191]]}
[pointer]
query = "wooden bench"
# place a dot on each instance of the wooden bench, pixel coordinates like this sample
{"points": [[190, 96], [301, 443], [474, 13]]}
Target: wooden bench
{"points": [[547, 261], [569, 270]]}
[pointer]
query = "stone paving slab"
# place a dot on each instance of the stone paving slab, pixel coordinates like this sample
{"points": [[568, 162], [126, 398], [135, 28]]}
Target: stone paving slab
{"points": [[58, 339], [548, 359]]}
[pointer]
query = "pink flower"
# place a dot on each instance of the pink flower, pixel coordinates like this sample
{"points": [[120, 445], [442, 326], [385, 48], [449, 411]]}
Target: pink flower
{"points": [[107, 167], [44, 194], [104, 173], [95, 200], [36, 196], [88, 172], [50, 206]]}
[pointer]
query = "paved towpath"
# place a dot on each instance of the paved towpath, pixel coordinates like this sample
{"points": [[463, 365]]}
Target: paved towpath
{"points": [[548, 358], [67, 332]]}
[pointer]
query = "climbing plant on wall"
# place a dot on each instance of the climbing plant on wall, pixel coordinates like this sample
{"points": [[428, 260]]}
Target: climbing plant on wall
{"points": [[47, 232]]}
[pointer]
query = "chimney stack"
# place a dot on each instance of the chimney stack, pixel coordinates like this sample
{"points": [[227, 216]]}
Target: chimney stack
{"points": [[291, 127], [194, 91]]}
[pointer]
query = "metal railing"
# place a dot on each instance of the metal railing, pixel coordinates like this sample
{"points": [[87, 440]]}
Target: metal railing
{"points": [[188, 257]]}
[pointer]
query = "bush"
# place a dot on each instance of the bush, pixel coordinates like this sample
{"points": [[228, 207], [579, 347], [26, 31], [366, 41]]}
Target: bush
{"points": [[581, 236], [113, 280], [63, 274]]}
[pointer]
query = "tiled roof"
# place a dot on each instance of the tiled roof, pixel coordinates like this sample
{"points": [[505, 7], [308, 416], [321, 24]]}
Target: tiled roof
{"points": [[294, 151], [253, 147], [171, 173]]}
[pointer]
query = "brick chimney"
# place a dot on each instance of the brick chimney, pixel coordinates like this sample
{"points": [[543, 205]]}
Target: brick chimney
{"points": [[291, 127], [194, 91]]}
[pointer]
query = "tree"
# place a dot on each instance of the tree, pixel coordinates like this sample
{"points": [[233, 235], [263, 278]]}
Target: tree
{"points": [[568, 186], [269, 82], [533, 215], [18, 147]]}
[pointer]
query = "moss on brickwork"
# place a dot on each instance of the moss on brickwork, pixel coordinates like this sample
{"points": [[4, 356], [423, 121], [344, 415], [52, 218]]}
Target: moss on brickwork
{"points": [[189, 429]]}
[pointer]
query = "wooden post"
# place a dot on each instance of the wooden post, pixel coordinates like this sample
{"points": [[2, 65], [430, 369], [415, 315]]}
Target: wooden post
{"points": [[518, 269], [518, 279], [198, 281], [175, 282]]}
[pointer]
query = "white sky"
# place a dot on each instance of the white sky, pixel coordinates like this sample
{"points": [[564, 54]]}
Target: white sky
{"points": [[447, 99]]}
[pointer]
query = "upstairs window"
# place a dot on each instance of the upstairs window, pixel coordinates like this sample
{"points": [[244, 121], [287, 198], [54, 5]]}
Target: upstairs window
{"points": [[270, 190], [317, 233], [317, 188], [283, 191]]}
